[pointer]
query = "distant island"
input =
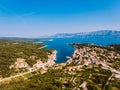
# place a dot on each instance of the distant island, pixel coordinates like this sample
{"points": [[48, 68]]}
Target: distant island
{"points": [[103, 33]]}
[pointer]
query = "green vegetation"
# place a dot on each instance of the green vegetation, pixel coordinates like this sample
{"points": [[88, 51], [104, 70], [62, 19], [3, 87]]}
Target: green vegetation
{"points": [[95, 77], [70, 77], [11, 50], [91, 46], [115, 46]]}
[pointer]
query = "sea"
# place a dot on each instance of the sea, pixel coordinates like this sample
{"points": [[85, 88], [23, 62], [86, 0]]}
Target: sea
{"points": [[64, 50]]}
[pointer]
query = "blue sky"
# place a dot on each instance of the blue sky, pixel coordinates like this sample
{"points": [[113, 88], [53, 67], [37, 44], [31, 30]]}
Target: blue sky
{"points": [[34, 18]]}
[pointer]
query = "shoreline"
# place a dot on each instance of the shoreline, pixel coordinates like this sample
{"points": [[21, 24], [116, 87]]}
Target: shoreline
{"points": [[45, 66], [43, 47]]}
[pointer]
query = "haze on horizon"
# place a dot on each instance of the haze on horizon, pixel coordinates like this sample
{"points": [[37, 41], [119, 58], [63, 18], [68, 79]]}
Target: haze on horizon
{"points": [[35, 18]]}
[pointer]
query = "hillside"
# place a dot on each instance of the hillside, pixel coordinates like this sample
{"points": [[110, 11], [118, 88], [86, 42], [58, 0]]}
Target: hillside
{"points": [[103, 33], [18, 57], [91, 67]]}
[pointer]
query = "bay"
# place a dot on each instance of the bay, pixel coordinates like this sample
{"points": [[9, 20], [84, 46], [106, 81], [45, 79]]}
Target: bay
{"points": [[61, 45]]}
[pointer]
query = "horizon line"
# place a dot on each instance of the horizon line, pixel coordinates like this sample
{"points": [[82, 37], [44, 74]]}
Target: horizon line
{"points": [[47, 36]]}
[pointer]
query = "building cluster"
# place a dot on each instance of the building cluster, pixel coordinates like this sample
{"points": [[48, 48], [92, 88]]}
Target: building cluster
{"points": [[90, 55], [21, 63]]}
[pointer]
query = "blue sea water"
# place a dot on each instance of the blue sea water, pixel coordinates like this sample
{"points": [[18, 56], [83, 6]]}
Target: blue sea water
{"points": [[63, 49]]}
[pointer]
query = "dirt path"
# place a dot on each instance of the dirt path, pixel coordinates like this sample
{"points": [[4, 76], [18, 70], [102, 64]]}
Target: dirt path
{"points": [[18, 75]]}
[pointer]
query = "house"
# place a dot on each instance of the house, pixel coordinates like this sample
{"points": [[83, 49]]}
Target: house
{"points": [[42, 71], [71, 68], [20, 63]]}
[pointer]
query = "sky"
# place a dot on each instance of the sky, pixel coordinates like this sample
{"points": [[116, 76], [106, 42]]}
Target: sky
{"points": [[35, 18]]}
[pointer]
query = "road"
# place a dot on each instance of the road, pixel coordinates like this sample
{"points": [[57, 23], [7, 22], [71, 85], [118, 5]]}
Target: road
{"points": [[109, 68], [18, 75]]}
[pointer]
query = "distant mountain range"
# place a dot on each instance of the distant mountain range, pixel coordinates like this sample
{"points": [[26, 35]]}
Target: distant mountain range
{"points": [[104, 33]]}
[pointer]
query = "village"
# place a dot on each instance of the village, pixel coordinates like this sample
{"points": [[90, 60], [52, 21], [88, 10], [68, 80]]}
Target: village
{"points": [[20, 63], [89, 56]]}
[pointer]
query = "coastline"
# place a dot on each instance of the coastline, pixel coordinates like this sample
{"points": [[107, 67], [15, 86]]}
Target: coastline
{"points": [[39, 65], [43, 47]]}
